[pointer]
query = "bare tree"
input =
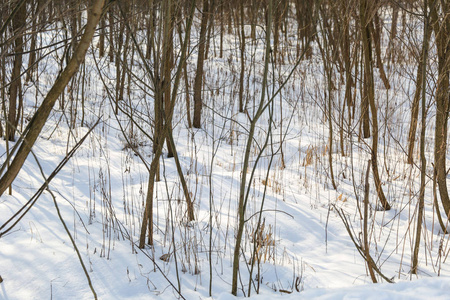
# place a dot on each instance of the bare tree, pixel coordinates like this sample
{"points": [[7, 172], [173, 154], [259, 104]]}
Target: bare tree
{"points": [[15, 89], [440, 22], [198, 83], [423, 162], [242, 190], [366, 10]]}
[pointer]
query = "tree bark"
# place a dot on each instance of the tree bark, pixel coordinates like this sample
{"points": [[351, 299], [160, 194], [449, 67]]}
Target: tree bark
{"points": [[32, 57], [442, 33], [376, 29], [415, 113], [242, 50], [393, 34], [14, 90], [167, 65], [369, 95], [365, 226], [101, 42], [198, 83]]}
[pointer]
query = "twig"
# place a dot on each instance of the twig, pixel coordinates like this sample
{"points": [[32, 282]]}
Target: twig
{"points": [[36, 196], [74, 244], [358, 246]]}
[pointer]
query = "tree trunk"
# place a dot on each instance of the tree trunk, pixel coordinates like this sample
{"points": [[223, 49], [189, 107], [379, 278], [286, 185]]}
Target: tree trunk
{"points": [[186, 84], [442, 33], [415, 113], [32, 57], [369, 95], [14, 90], [366, 74], [393, 34], [242, 50], [210, 27], [198, 83], [150, 29], [365, 226], [222, 28], [167, 65], [243, 183], [423, 162], [101, 42], [276, 29], [147, 222], [111, 33], [376, 29]]}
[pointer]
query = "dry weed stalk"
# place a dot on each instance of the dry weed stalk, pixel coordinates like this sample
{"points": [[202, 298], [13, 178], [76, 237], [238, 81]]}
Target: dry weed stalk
{"points": [[265, 243]]}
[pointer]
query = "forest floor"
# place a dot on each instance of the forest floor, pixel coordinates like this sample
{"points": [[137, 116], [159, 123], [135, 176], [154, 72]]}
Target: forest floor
{"points": [[304, 250]]}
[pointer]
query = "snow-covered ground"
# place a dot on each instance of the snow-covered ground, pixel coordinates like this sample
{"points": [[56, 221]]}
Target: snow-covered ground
{"points": [[305, 251]]}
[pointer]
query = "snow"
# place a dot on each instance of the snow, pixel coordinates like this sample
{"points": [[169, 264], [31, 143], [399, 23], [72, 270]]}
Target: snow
{"points": [[308, 254]]}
